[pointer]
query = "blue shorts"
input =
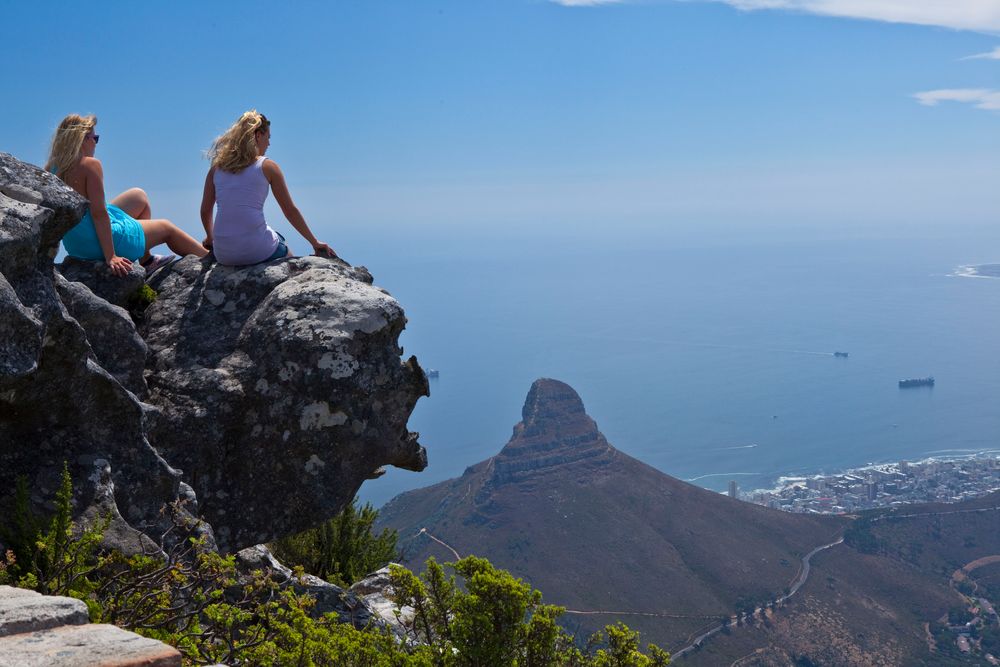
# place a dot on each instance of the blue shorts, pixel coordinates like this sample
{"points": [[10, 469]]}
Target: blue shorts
{"points": [[126, 233], [280, 251]]}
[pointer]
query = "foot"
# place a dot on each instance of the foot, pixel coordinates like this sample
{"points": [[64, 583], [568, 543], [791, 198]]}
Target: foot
{"points": [[156, 262]]}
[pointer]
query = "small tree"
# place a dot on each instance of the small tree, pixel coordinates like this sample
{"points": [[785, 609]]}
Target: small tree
{"points": [[343, 549], [51, 556]]}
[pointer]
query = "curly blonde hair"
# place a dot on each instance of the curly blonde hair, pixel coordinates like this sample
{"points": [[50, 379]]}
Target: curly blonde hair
{"points": [[236, 149], [67, 142]]}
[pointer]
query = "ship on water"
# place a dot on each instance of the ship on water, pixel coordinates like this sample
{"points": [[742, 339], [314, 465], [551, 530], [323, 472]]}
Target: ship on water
{"points": [[917, 382], [840, 354]]}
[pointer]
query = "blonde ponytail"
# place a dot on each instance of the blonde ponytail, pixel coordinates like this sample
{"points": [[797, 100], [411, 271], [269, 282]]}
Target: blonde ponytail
{"points": [[236, 149]]}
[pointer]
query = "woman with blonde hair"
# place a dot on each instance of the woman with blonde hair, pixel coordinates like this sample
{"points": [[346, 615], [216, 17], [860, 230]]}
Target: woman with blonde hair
{"points": [[238, 181], [120, 232]]}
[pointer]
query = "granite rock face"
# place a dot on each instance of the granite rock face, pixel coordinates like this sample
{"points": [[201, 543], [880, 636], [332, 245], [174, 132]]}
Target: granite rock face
{"points": [[375, 592], [280, 388], [350, 607], [111, 333], [277, 389], [58, 403], [116, 290]]}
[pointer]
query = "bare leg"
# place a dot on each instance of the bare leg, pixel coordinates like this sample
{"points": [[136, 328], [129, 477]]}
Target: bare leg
{"points": [[179, 241], [135, 202]]}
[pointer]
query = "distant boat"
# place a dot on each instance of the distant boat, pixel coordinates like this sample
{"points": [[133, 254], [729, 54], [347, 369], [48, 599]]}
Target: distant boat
{"points": [[840, 354], [431, 373], [916, 382]]}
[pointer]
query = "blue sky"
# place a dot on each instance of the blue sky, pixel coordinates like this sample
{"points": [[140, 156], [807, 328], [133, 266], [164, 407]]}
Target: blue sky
{"points": [[511, 116]]}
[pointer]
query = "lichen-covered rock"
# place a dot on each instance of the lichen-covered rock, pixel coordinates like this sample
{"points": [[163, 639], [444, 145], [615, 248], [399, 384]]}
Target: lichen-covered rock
{"points": [[280, 388], [375, 592], [57, 402], [349, 606], [97, 276], [111, 333]]}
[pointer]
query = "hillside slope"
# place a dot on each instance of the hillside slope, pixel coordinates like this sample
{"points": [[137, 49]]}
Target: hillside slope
{"points": [[597, 530]]}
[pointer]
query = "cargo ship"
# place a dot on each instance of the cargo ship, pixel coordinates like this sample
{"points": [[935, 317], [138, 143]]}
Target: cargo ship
{"points": [[916, 382]]}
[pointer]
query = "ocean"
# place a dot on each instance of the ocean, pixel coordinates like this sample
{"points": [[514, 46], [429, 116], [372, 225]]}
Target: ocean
{"points": [[709, 360]]}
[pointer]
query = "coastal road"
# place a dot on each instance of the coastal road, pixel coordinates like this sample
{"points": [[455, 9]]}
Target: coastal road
{"points": [[799, 581], [804, 572]]}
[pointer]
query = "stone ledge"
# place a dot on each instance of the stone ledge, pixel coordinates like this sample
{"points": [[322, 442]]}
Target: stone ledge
{"points": [[27, 611], [85, 646], [51, 631]]}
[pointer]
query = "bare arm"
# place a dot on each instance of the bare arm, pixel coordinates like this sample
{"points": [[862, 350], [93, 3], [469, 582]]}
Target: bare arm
{"points": [[291, 211], [94, 175], [208, 207]]}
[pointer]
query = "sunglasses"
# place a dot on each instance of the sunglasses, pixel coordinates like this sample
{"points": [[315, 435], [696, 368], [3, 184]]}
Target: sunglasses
{"points": [[96, 137]]}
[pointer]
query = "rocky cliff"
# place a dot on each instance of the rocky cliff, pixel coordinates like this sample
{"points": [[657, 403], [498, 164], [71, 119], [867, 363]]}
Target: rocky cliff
{"points": [[261, 397]]}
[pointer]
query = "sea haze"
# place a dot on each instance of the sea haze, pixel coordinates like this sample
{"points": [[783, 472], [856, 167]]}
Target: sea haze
{"points": [[710, 361]]}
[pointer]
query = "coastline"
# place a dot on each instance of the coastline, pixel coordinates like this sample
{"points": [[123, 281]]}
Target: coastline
{"points": [[938, 478], [787, 481]]}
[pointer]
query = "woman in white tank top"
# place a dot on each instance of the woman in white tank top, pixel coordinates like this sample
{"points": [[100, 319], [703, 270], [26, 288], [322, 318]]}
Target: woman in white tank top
{"points": [[238, 182]]}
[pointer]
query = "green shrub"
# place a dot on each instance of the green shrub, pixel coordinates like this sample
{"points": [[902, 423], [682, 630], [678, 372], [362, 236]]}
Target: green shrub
{"points": [[51, 556], [342, 550]]}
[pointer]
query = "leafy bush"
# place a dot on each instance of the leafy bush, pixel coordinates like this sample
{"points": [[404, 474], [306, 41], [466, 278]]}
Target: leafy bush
{"points": [[342, 550], [959, 615], [50, 557]]}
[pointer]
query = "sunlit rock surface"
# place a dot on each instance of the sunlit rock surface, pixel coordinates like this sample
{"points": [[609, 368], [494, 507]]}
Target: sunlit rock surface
{"points": [[280, 388]]}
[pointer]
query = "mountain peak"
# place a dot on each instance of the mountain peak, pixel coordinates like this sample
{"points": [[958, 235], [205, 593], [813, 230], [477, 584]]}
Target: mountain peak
{"points": [[555, 431], [550, 400]]}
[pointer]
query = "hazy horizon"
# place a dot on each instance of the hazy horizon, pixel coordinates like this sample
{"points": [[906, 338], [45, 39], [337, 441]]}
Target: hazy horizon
{"points": [[526, 116]]}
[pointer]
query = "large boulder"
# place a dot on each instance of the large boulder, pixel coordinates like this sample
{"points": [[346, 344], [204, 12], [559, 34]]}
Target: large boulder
{"points": [[58, 403], [280, 388], [277, 389]]}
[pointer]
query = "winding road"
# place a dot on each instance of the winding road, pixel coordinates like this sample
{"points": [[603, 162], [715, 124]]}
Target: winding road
{"points": [[799, 581]]}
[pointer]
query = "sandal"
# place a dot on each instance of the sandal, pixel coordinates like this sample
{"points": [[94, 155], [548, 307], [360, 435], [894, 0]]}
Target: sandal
{"points": [[157, 262]]}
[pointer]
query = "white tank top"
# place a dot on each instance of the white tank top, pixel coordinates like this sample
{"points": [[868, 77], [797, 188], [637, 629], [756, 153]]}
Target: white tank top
{"points": [[240, 233]]}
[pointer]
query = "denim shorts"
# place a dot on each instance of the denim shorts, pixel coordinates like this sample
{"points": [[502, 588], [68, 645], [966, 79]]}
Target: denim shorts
{"points": [[280, 251]]}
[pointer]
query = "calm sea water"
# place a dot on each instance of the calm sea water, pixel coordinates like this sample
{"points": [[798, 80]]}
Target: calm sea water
{"points": [[708, 361]]}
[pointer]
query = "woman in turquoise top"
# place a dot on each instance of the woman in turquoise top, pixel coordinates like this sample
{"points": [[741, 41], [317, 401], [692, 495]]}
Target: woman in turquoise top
{"points": [[120, 232]]}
